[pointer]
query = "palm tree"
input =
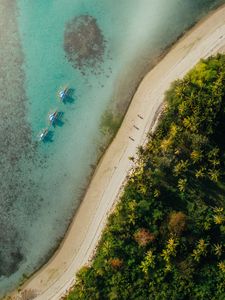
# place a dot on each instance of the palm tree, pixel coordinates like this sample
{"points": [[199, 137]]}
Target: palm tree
{"points": [[179, 90], [181, 166], [190, 123], [215, 162], [106, 248], [132, 208], [219, 216], [214, 175], [218, 249], [172, 245], [182, 185], [213, 153], [149, 261], [196, 155], [221, 266], [201, 250], [166, 143], [202, 245], [156, 193], [170, 250], [218, 219], [173, 130], [166, 255], [200, 173], [182, 108]]}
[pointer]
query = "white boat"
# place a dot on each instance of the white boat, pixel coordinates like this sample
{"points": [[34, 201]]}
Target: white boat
{"points": [[53, 117], [63, 93], [43, 134]]}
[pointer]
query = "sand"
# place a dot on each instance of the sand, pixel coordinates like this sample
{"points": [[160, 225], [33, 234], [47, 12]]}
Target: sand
{"points": [[58, 275]]}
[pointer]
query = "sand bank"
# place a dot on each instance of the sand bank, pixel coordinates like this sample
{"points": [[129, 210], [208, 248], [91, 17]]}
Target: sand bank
{"points": [[57, 276]]}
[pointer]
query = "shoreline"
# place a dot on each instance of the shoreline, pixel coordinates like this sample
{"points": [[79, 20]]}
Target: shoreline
{"points": [[57, 276]]}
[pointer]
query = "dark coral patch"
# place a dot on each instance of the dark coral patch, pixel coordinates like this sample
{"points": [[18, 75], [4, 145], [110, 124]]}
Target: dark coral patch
{"points": [[84, 43]]}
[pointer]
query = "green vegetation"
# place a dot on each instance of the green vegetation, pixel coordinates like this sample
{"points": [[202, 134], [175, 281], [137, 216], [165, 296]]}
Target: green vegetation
{"points": [[166, 237]]}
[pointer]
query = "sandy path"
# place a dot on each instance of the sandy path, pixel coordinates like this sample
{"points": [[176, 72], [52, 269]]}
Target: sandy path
{"points": [[51, 282]]}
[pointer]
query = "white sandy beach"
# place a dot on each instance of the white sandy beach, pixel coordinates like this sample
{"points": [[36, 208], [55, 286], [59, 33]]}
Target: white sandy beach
{"points": [[58, 275]]}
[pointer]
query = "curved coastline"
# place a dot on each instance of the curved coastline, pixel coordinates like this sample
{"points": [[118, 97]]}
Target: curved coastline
{"points": [[57, 276]]}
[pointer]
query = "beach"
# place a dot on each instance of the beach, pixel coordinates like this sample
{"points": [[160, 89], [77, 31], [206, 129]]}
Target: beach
{"points": [[58, 275]]}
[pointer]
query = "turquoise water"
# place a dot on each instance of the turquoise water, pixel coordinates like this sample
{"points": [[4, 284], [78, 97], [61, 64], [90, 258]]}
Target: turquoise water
{"points": [[42, 183]]}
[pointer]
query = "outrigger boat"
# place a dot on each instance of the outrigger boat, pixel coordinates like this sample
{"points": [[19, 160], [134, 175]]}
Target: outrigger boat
{"points": [[63, 93], [43, 134], [53, 117]]}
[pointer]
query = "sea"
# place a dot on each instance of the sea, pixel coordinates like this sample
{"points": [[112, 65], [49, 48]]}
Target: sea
{"points": [[98, 50]]}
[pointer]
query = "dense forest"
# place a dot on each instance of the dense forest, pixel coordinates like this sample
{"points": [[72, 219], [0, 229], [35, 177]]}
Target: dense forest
{"points": [[166, 237]]}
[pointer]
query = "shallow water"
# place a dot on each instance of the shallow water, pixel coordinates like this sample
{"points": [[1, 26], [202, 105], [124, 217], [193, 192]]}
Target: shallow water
{"points": [[98, 48]]}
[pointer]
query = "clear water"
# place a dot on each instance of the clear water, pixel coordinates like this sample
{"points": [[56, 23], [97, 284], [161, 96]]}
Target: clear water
{"points": [[42, 183]]}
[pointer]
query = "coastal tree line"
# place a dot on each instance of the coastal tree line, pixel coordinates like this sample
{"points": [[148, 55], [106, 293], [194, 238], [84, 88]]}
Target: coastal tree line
{"points": [[166, 237]]}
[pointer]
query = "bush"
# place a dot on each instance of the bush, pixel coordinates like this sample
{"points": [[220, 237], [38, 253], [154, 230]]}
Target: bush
{"points": [[176, 193]]}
